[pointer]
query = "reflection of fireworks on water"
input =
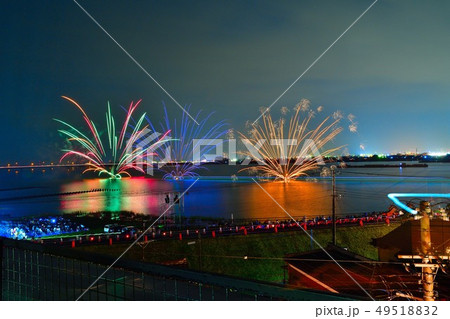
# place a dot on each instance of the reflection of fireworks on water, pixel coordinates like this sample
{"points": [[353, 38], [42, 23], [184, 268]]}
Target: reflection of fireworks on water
{"points": [[180, 150], [117, 159], [297, 161]]}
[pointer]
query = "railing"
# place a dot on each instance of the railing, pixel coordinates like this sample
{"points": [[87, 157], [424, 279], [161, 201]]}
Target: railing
{"points": [[31, 271]]}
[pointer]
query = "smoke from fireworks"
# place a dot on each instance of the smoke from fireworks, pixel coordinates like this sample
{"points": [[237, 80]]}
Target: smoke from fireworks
{"points": [[287, 162], [118, 158]]}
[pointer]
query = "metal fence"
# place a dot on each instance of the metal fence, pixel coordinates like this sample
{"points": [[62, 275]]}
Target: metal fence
{"points": [[32, 271]]}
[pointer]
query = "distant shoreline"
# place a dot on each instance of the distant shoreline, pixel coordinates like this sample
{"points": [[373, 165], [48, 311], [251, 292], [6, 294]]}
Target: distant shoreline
{"points": [[402, 165]]}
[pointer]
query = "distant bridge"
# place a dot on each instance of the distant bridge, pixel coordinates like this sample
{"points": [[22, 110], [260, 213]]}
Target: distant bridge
{"points": [[43, 166]]}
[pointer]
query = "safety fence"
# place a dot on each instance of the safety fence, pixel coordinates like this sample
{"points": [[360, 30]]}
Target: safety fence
{"points": [[31, 271]]}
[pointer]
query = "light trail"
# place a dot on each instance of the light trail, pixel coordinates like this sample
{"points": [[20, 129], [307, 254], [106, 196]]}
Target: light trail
{"points": [[394, 198]]}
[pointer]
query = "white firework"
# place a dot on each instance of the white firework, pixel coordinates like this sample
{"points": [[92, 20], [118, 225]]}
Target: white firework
{"points": [[303, 105], [337, 115], [353, 127], [351, 117]]}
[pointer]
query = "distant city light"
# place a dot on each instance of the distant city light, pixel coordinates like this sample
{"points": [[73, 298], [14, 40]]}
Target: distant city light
{"points": [[438, 153]]}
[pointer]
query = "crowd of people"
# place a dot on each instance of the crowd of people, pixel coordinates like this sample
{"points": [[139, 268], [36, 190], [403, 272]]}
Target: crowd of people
{"points": [[39, 227], [50, 226]]}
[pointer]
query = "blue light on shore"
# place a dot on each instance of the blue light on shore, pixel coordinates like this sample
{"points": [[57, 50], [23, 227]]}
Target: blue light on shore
{"points": [[394, 198]]}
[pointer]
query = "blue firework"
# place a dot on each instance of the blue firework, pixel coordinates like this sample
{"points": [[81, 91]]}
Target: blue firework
{"points": [[179, 149]]}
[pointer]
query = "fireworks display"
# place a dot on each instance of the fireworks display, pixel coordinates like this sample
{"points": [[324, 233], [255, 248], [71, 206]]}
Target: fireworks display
{"points": [[118, 157], [287, 162], [179, 150]]}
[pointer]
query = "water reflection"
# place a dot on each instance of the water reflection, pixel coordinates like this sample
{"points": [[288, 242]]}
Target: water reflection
{"points": [[298, 198], [209, 197], [358, 190], [140, 195], [243, 199]]}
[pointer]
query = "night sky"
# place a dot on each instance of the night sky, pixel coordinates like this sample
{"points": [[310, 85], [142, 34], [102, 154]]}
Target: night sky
{"points": [[391, 70]]}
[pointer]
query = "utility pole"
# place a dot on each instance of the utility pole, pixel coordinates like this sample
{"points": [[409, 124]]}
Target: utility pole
{"points": [[428, 262], [425, 245], [333, 203]]}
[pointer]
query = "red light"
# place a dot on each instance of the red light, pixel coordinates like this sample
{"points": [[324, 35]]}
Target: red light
{"points": [[92, 238], [127, 236]]}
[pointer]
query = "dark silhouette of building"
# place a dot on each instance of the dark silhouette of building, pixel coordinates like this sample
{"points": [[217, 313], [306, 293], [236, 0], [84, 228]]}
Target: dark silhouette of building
{"points": [[405, 240], [382, 280]]}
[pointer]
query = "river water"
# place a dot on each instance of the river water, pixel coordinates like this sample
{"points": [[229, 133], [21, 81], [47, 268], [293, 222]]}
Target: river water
{"points": [[359, 190]]}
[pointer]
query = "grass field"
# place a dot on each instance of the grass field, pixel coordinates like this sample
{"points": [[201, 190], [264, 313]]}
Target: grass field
{"points": [[256, 256]]}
